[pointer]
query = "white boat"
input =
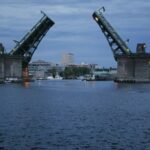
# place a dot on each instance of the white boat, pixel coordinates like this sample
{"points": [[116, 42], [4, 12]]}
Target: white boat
{"points": [[10, 80], [50, 78], [57, 77]]}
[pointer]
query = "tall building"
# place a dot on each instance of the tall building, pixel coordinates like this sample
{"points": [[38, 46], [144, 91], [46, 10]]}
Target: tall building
{"points": [[67, 59]]}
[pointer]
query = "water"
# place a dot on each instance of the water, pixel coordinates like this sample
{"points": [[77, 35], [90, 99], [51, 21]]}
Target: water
{"points": [[74, 115]]}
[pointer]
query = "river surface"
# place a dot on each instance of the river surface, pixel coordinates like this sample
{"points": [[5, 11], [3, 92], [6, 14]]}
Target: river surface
{"points": [[74, 115]]}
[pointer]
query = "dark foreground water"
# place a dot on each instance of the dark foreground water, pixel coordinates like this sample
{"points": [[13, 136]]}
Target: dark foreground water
{"points": [[74, 115]]}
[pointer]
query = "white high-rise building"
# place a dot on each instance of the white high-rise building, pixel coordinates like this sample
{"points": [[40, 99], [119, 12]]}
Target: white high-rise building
{"points": [[67, 59]]}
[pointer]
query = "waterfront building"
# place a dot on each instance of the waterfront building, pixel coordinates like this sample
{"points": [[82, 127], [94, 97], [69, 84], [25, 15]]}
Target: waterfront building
{"points": [[42, 69], [105, 73]]}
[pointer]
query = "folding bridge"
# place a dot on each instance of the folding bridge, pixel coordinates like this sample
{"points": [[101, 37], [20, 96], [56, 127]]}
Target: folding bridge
{"points": [[29, 43], [131, 67], [14, 65]]}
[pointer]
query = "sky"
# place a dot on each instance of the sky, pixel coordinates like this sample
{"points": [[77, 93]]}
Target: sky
{"points": [[75, 30]]}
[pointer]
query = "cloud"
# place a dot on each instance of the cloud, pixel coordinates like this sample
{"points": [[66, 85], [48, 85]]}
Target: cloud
{"points": [[75, 30]]}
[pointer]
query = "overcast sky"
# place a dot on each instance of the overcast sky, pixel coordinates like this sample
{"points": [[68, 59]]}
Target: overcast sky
{"points": [[75, 30]]}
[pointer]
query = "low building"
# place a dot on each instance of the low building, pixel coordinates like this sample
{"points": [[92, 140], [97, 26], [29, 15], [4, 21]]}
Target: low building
{"points": [[105, 73], [42, 69]]}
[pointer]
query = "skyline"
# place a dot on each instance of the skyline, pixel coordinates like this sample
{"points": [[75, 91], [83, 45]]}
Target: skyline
{"points": [[75, 30]]}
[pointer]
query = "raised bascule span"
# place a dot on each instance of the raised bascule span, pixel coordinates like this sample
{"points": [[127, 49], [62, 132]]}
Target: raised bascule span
{"points": [[14, 65], [29, 43], [117, 45], [131, 67]]}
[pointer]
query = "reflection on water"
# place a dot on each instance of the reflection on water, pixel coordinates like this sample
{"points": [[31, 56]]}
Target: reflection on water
{"points": [[66, 115], [26, 84]]}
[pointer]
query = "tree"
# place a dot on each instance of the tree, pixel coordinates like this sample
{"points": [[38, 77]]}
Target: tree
{"points": [[74, 72]]}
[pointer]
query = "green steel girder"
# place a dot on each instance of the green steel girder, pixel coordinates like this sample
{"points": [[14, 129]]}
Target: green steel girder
{"points": [[29, 43], [118, 46]]}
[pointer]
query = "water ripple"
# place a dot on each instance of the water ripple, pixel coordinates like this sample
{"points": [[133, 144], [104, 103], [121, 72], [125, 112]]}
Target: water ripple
{"points": [[74, 115]]}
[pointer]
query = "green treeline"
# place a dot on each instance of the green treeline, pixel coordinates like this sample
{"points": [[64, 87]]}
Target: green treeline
{"points": [[73, 72]]}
